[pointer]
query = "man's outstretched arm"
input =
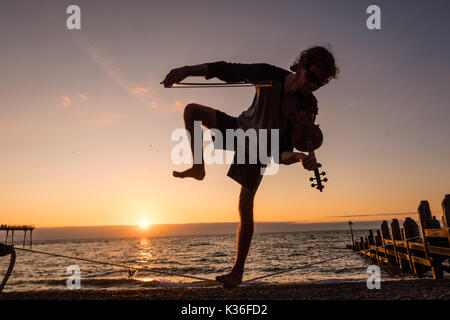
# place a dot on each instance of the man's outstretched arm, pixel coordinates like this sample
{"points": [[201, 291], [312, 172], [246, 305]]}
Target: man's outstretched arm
{"points": [[308, 161], [228, 72], [238, 72]]}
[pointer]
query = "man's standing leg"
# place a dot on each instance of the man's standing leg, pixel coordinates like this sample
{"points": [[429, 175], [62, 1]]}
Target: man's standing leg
{"points": [[244, 239]]}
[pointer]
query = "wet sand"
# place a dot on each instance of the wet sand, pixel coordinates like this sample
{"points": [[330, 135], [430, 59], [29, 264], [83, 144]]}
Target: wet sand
{"points": [[421, 289]]}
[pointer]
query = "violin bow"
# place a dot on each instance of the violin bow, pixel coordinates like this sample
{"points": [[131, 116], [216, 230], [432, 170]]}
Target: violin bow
{"points": [[317, 175], [222, 84]]}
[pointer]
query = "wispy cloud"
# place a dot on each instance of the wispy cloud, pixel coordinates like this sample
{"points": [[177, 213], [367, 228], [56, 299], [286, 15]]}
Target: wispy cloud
{"points": [[82, 96], [139, 91], [153, 105], [178, 105], [66, 102], [146, 95], [175, 107], [107, 66]]}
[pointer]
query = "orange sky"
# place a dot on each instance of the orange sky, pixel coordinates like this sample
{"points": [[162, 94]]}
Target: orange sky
{"points": [[85, 125]]}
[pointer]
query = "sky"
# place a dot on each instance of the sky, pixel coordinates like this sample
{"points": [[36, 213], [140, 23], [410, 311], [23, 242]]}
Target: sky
{"points": [[85, 125]]}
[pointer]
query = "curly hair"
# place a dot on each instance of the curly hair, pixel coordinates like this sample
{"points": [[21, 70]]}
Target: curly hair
{"points": [[320, 56]]}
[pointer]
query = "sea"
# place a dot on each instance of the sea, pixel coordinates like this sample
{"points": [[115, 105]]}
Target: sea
{"points": [[274, 258]]}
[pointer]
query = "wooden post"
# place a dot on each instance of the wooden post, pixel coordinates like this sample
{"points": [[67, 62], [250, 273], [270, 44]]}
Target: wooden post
{"points": [[395, 227], [24, 237], [385, 235], [385, 230], [367, 246], [6, 240], [12, 237], [31, 238], [371, 238], [435, 264], [446, 211], [378, 242], [425, 214], [411, 230], [351, 231], [435, 223], [446, 215], [396, 235], [408, 252]]}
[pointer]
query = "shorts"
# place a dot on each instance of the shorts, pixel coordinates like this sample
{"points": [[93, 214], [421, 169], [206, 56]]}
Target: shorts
{"points": [[247, 175]]}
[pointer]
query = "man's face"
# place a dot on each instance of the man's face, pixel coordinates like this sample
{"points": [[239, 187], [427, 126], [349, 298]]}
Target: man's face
{"points": [[310, 78]]}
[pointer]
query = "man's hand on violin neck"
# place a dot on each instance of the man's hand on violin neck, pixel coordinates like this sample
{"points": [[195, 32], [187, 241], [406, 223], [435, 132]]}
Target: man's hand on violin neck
{"points": [[309, 162]]}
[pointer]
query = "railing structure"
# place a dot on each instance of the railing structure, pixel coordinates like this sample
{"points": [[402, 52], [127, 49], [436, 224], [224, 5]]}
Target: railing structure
{"points": [[24, 228], [414, 249]]}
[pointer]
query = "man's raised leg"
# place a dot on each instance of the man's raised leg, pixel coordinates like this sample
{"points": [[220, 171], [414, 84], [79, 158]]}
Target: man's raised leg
{"points": [[244, 239], [195, 112]]}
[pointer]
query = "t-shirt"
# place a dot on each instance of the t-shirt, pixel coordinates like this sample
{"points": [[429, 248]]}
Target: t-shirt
{"points": [[263, 113]]}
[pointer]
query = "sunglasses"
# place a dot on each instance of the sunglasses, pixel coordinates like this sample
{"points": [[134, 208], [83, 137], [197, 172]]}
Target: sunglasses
{"points": [[313, 78]]}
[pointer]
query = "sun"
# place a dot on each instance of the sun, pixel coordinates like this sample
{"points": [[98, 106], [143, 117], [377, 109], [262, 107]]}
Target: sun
{"points": [[144, 224]]}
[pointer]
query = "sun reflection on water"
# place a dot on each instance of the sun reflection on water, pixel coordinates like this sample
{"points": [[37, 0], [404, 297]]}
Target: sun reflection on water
{"points": [[145, 250]]}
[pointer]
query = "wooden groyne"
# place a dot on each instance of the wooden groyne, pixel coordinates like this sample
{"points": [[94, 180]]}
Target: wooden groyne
{"points": [[24, 228], [415, 249]]}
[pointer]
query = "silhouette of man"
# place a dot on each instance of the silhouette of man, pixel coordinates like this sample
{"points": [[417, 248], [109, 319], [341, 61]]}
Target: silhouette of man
{"points": [[287, 101]]}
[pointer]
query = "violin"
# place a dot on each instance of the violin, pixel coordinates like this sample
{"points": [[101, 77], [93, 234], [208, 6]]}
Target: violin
{"points": [[306, 136]]}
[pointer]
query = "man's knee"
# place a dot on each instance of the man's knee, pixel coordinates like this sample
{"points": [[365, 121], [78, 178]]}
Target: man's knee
{"points": [[192, 112]]}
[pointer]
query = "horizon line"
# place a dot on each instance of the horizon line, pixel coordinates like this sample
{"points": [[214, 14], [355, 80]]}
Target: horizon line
{"points": [[199, 223]]}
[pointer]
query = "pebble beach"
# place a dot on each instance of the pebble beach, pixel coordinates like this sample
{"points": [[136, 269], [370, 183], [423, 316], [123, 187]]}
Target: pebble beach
{"points": [[421, 289]]}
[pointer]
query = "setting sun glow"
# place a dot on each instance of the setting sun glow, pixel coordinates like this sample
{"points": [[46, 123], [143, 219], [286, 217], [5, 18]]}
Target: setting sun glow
{"points": [[144, 224]]}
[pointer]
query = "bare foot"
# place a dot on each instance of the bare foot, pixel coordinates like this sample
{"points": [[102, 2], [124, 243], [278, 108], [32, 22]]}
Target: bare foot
{"points": [[230, 280], [196, 172]]}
